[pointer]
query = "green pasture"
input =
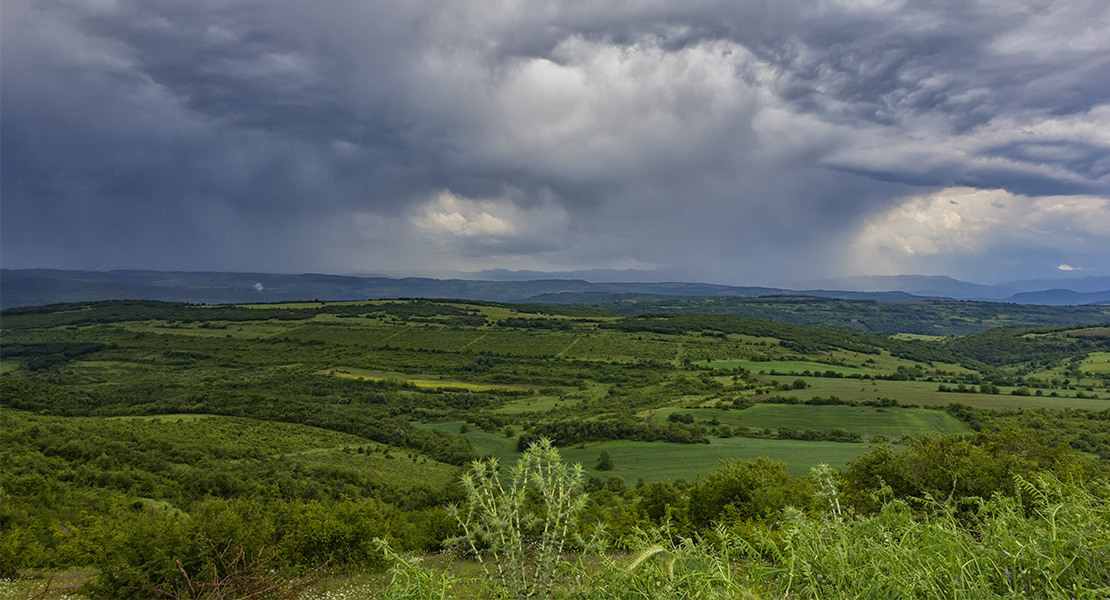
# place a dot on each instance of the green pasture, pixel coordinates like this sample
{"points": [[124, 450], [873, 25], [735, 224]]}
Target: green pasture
{"points": [[867, 421], [886, 363], [952, 368], [661, 461], [315, 449], [917, 337], [782, 367], [1096, 361], [621, 347], [235, 434], [753, 339], [522, 343], [535, 404], [372, 375], [399, 471], [1088, 377], [108, 365], [355, 332], [484, 442], [214, 329], [862, 390], [170, 418], [431, 337], [924, 393]]}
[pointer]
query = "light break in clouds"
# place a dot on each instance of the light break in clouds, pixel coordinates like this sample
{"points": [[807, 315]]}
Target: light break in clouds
{"points": [[736, 142]]}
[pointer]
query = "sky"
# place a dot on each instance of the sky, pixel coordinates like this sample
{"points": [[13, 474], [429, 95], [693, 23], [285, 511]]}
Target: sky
{"points": [[739, 142]]}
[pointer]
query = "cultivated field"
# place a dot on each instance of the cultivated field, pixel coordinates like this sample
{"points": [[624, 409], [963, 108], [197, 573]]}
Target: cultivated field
{"points": [[867, 421]]}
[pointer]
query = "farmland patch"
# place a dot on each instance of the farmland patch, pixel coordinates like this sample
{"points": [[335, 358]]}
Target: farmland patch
{"points": [[867, 421], [371, 375], [660, 461]]}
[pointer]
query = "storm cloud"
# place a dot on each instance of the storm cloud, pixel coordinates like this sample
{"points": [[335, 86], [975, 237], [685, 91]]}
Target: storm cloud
{"points": [[734, 142]]}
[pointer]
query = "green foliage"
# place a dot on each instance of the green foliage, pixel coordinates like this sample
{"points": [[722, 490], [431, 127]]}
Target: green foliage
{"points": [[138, 551], [1046, 543], [960, 470], [1083, 430], [801, 339], [604, 462], [672, 570], [572, 431], [747, 491], [411, 581], [936, 317], [46, 355]]}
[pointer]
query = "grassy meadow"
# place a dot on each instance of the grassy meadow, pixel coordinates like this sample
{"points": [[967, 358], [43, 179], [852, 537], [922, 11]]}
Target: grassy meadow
{"points": [[322, 425], [894, 423], [655, 461]]}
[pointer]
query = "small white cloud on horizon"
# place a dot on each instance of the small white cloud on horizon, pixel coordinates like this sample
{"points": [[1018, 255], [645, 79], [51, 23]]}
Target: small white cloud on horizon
{"points": [[1067, 267], [257, 287]]}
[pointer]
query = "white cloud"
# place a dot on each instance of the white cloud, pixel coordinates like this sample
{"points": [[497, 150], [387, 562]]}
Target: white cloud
{"points": [[449, 214], [1086, 22], [459, 229], [595, 109], [957, 224]]}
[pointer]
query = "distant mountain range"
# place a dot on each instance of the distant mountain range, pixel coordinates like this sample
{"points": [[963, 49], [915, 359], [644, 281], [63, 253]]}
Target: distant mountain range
{"points": [[1051, 291], [46, 286]]}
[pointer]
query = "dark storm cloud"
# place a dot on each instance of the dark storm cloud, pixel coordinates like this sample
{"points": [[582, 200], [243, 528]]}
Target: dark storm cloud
{"points": [[419, 136]]}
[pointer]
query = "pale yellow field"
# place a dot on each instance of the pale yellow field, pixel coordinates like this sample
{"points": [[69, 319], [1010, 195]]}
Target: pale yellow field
{"points": [[368, 375]]}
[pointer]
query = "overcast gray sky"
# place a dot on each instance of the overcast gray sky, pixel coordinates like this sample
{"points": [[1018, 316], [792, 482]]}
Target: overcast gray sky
{"points": [[735, 142]]}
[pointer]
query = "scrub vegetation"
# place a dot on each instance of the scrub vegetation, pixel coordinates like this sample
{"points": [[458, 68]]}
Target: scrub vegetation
{"points": [[317, 449]]}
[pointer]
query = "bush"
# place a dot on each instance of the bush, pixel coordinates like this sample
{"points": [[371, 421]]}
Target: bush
{"points": [[740, 490]]}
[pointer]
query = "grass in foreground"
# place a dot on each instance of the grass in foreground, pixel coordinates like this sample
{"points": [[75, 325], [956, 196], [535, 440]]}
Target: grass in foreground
{"points": [[1049, 543]]}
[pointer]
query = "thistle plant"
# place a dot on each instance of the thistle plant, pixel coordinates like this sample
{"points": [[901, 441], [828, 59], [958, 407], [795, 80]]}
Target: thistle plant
{"points": [[519, 544], [825, 480]]}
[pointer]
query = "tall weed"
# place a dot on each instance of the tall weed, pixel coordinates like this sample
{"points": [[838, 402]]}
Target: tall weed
{"points": [[519, 532], [1057, 547]]}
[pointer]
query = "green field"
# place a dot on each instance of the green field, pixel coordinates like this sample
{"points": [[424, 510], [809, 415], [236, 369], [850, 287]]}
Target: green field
{"points": [[1097, 361], [782, 367], [924, 393], [370, 375], [660, 461], [867, 421], [485, 443], [234, 435], [398, 472], [530, 404]]}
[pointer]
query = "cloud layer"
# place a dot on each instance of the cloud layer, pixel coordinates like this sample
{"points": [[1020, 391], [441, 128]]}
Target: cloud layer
{"points": [[755, 142]]}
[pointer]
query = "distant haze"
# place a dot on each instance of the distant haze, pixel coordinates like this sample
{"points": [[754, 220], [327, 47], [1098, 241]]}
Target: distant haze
{"points": [[756, 143], [47, 286]]}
